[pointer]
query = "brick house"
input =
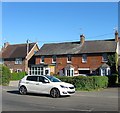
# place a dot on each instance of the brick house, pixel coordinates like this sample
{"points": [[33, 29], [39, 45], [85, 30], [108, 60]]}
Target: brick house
{"points": [[18, 56], [75, 58]]}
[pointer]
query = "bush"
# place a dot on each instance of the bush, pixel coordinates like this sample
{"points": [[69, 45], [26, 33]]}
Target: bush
{"points": [[86, 82], [112, 80], [4, 75], [17, 76]]}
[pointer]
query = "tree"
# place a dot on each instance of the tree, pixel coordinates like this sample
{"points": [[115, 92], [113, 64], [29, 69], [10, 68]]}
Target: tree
{"points": [[113, 62]]}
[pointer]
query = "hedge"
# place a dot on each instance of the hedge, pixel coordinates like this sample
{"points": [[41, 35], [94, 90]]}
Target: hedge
{"points": [[4, 75], [17, 76], [86, 82]]}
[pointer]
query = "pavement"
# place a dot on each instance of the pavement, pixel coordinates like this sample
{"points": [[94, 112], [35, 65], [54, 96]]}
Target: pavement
{"points": [[14, 83]]}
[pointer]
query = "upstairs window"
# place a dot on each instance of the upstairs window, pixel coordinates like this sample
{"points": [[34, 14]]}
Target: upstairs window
{"points": [[104, 57], [54, 59], [84, 58], [69, 59], [18, 61], [42, 59]]}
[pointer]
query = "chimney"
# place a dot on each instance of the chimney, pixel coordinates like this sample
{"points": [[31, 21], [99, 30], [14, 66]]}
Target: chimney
{"points": [[6, 44], [116, 36], [82, 39]]}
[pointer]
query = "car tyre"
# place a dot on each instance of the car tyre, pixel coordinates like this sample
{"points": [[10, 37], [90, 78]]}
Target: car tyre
{"points": [[23, 90], [55, 93]]}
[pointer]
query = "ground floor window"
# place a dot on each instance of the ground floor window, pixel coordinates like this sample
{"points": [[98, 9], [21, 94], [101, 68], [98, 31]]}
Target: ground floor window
{"points": [[39, 71], [69, 72], [104, 71], [83, 71]]}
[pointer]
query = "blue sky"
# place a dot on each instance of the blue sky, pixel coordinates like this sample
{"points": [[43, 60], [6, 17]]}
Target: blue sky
{"points": [[48, 22]]}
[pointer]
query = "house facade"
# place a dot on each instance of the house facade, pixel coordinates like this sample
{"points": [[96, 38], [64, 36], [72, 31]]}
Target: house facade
{"points": [[75, 58], [18, 56]]}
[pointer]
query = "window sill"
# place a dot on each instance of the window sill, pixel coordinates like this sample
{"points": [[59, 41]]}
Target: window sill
{"points": [[84, 62], [69, 62], [104, 61]]}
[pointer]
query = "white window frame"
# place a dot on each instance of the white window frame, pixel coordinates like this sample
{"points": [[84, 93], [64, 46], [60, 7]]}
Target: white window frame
{"points": [[104, 57], [42, 60], [69, 61], [105, 71], [53, 59], [84, 58], [18, 60], [19, 70], [71, 72], [37, 71]]}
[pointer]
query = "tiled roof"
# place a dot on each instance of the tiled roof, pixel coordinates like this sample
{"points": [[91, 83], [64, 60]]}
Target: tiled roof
{"points": [[100, 46], [16, 51]]}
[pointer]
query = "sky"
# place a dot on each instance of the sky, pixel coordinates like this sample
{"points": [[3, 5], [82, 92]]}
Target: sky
{"points": [[53, 22]]}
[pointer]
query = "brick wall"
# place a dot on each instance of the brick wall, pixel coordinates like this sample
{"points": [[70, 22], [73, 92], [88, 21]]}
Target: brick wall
{"points": [[11, 64], [93, 61]]}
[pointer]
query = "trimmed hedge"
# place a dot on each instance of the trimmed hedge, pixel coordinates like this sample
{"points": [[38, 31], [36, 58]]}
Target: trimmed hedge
{"points": [[86, 82], [17, 76], [4, 75]]}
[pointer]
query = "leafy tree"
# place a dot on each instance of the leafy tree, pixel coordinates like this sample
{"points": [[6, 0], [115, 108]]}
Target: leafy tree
{"points": [[113, 62]]}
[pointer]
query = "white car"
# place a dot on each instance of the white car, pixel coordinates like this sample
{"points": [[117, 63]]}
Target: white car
{"points": [[45, 84]]}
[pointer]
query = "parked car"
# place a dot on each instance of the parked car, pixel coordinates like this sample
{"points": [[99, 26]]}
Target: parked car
{"points": [[45, 84]]}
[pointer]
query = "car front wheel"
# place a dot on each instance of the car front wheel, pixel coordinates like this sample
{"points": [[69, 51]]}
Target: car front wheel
{"points": [[55, 93], [23, 90]]}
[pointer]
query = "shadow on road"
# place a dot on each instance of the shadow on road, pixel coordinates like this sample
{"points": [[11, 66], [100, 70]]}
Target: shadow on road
{"points": [[32, 94], [14, 92]]}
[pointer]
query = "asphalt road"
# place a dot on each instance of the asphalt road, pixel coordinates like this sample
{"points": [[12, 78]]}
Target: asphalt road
{"points": [[103, 100]]}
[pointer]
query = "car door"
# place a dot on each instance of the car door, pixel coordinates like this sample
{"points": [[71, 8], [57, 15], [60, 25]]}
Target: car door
{"points": [[44, 85], [31, 83]]}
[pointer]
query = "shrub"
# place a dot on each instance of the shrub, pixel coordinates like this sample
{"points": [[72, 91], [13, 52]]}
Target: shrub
{"points": [[112, 80], [86, 82], [4, 75], [17, 76]]}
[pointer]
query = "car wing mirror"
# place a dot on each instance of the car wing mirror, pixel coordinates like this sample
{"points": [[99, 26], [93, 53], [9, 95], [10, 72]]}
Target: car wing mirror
{"points": [[46, 81]]}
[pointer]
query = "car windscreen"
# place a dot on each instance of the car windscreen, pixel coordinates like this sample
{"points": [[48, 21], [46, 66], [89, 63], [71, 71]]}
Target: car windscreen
{"points": [[53, 79]]}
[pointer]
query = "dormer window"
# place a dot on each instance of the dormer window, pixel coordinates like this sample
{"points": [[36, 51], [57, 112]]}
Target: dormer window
{"points": [[18, 61], [104, 57], [69, 59], [54, 59], [42, 59], [84, 58]]}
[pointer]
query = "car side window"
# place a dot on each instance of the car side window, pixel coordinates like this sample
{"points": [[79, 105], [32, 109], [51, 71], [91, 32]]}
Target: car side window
{"points": [[32, 78], [42, 79]]}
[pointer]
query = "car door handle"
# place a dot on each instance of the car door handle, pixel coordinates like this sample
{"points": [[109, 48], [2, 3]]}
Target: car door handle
{"points": [[37, 84], [27, 82]]}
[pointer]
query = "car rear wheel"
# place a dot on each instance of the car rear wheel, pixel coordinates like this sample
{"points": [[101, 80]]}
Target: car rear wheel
{"points": [[55, 93], [23, 90]]}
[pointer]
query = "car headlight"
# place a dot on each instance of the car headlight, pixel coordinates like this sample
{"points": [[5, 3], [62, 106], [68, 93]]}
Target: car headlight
{"points": [[63, 86]]}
